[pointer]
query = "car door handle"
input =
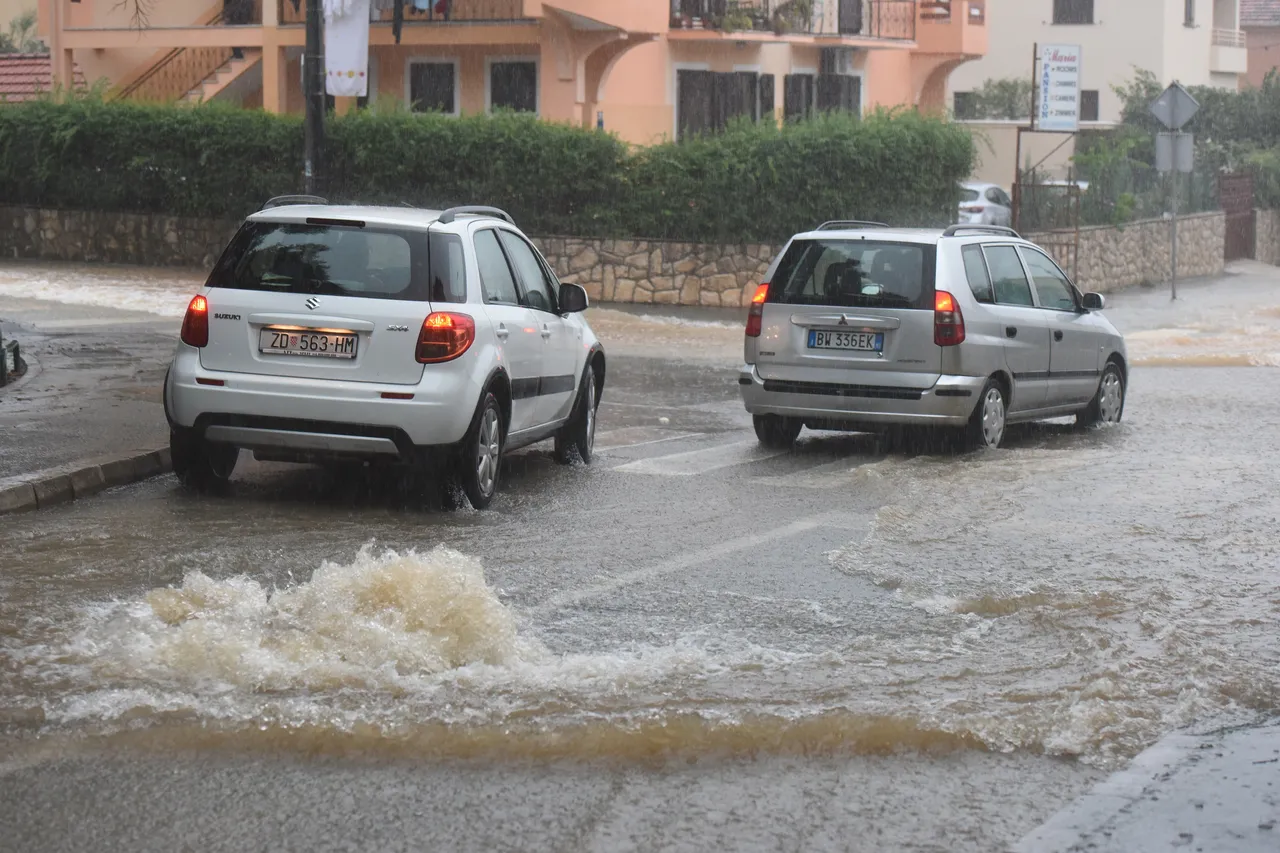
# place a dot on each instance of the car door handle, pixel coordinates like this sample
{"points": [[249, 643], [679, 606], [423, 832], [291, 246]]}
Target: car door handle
{"points": [[1057, 335], [546, 331], [1010, 331], [502, 332]]}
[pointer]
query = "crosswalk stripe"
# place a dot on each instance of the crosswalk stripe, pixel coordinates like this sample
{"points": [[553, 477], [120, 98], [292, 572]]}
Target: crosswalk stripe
{"points": [[693, 462]]}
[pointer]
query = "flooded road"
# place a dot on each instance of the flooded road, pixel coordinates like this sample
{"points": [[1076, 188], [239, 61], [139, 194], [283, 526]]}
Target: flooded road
{"points": [[693, 643]]}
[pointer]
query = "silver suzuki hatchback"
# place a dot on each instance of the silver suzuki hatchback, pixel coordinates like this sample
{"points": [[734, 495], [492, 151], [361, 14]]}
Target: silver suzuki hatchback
{"points": [[863, 327]]}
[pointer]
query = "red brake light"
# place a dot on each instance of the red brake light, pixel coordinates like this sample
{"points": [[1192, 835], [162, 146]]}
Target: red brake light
{"points": [[755, 314], [444, 337], [948, 322], [195, 326]]}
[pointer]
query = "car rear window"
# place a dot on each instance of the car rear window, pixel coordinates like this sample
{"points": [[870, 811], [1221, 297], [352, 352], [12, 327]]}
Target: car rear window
{"points": [[969, 195], [334, 259], [855, 274]]}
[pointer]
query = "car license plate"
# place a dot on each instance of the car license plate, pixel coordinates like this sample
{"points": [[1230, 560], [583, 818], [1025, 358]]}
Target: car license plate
{"points": [[857, 341], [307, 342]]}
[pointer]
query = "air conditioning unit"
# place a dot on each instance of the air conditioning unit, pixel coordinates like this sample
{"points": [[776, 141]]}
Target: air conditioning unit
{"points": [[839, 60]]}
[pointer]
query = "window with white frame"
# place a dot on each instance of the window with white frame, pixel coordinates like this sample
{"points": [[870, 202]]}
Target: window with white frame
{"points": [[433, 86], [513, 85]]}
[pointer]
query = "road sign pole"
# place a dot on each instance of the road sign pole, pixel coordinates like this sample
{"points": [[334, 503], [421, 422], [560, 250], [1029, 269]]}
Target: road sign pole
{"points": [[1173, 266]]}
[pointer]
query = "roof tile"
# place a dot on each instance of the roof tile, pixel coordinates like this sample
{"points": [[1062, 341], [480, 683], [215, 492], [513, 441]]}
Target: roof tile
{"points": [[1260, 13], [25, 76]]}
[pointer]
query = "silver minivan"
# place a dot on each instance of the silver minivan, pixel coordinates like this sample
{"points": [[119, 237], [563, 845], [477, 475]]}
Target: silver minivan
{"points": [[863, 327]]}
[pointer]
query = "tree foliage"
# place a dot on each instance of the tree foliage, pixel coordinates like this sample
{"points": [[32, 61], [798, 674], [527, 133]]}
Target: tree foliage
{"points": [[1006, 99], [22, 35]]}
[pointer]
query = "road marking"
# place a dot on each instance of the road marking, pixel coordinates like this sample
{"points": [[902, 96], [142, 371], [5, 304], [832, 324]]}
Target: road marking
{"points": [[683, 435], [688, 561], [693, 462]]}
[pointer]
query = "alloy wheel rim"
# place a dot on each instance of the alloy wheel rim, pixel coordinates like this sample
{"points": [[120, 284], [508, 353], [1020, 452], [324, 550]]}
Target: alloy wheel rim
{"points": [[993, 417], [488, 451], [1112, 397]]}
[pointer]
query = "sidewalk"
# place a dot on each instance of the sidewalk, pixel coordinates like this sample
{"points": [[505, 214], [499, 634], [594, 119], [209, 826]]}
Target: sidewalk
{"points": [[1216, 793], [88, 413]]}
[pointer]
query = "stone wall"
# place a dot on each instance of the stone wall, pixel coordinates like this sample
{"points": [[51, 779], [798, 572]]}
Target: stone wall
{"points": [[630, 271], [644, 271], [116, 238], [1268, 245], [1112, 259]]}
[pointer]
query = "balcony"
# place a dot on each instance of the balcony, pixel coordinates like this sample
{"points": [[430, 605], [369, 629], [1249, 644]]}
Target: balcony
{"points": [[882, 20], [435, 12], [1229, 53], [953, 28]]}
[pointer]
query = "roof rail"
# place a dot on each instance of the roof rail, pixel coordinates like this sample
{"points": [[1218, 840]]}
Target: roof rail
{"points": [[473, 210], [990, 229], [283, 200], [836, 224]]}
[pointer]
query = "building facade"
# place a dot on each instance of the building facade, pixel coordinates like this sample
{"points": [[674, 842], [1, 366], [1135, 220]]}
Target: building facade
{"points": [[1260, 20], [1196, 42], [645, 69]]}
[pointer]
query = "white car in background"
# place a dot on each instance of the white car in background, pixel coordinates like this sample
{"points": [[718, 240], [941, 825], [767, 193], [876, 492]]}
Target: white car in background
{"points": [[984, 204]]}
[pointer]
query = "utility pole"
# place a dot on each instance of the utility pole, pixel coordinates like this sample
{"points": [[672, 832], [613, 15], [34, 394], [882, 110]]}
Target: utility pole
{"points": [[313, 92]]}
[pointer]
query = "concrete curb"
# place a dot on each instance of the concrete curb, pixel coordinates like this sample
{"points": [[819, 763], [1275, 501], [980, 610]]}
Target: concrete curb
{"points": [[53, 486]]}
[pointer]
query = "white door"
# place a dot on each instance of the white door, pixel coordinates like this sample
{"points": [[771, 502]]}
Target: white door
{"points": [[561, 339], [518, 337]]}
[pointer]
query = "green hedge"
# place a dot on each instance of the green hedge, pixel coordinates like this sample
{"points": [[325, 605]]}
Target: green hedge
{"points": [[750, 183]]}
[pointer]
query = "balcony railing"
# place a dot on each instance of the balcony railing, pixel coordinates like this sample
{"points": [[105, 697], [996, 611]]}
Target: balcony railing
{"points": [[879, 19], [431, 12], [1229, 38], [178, 71]]}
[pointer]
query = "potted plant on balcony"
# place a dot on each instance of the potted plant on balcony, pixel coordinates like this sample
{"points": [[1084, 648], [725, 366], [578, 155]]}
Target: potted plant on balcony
{"points": [[792, 15], [736, 18]]}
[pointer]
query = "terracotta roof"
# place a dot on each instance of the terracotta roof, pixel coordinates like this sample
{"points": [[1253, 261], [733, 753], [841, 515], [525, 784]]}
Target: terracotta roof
{"points": [[1260, 13], [24, 76]]}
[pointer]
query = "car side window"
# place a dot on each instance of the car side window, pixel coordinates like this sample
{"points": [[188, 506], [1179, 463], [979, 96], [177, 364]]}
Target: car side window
{"points": [[1003, 198], [993, 195], [975, 269], [496, 280], [1053, 288], [1008, 279], [538, 294]]}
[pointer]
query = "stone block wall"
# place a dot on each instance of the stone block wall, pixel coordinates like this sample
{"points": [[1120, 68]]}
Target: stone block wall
{"points": [[653, 271], [116, 238], [628, 271], [1112, 259], [1268, 245]]}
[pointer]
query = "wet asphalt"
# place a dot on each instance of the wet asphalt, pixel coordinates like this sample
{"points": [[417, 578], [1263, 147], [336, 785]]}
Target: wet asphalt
{"points": [[690, 644]]}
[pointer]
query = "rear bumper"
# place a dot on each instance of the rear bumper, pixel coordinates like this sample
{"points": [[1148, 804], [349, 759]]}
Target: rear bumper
{"points": [[948, 403], [319, 416]]}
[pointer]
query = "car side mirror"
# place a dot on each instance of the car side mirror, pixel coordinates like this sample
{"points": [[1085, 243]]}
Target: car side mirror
{"points": [[573, 299], [1094, 302]]}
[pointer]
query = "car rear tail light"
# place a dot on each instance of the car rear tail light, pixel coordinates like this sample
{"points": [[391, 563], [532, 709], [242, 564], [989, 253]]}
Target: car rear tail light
{"points": [[755, 314], [971, 210], [444, 337], [948, 322], [195, 326]]}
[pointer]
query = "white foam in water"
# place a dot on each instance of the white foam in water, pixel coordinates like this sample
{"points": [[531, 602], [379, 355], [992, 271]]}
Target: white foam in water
{"points": [[402, 631], [164, 297]]}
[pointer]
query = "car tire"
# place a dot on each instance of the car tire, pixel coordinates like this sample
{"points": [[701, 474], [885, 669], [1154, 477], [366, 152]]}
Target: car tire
{"points": [[199, 464], [1107, 405], [577, 438], [776, 432], [478, 463], [987, 423]]}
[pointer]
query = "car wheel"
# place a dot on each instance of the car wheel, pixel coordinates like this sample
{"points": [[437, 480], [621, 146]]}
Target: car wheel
{"points": [[775, 431], [1107, 405], [577, 438], [986, 424], [480, 460], [201, 464]]}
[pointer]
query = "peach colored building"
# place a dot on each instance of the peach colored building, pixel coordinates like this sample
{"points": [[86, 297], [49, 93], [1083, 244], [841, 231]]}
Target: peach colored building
{"points": [[645, 69]]}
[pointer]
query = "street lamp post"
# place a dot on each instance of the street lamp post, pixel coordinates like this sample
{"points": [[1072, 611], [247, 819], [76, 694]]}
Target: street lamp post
{"points": [[313, 93]]}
